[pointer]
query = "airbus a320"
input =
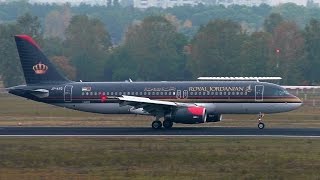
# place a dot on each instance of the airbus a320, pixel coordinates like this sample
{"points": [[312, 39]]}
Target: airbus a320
{"points": [[188, 102]]}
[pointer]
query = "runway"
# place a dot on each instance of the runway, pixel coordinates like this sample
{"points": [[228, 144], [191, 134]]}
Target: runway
{"points": [[148, 132]]}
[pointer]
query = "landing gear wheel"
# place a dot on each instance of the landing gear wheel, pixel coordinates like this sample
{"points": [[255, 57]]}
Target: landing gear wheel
{"points": [[167, 124], [261, 125], [156, 124]]}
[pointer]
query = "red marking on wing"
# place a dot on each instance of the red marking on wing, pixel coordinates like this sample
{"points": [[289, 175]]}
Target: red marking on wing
{"points": [[29, 39], [198, 111]]}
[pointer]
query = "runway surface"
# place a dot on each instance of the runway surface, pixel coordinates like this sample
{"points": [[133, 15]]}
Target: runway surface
{"points": [[148, 132]]}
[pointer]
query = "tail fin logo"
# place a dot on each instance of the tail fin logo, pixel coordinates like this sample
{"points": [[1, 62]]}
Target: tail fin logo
{"points": [[40, 68]]}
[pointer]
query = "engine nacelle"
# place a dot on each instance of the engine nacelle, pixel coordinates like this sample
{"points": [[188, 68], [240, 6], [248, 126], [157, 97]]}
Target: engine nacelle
{"points": [[214, 117], [188, 115]]}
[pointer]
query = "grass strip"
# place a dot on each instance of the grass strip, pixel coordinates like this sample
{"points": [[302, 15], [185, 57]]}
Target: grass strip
{"points": [[159, 158]]}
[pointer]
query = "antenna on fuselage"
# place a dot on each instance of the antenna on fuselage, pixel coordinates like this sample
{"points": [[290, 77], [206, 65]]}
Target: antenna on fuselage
{"points": [[258, 79]]}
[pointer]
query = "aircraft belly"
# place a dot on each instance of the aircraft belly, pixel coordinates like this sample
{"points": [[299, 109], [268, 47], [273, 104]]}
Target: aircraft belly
{"points": [[103, 108], [254, 108], [212, 108]]}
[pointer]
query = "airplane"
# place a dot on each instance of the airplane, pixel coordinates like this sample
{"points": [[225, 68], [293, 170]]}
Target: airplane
{"points": [[187, 102]]}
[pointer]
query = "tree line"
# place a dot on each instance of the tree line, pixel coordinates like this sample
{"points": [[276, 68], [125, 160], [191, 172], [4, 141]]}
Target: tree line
{"points": [[116, 18], [156, 48]]}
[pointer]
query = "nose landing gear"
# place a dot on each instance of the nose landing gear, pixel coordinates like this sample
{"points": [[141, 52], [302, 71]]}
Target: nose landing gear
{"points": [[260, 124]]}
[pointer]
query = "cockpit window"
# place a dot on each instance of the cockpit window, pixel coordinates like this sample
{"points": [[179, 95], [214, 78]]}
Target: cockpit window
{"points": [[281, 92]]}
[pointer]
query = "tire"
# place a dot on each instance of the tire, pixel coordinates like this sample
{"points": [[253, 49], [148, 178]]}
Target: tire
{"points": [[261, 125], [156, 124], [167, 124]]}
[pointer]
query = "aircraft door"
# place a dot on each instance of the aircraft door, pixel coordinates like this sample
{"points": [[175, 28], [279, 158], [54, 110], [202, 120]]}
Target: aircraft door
{"points": [[185, 94], [178, 95], [259, 89], [68, 93]]}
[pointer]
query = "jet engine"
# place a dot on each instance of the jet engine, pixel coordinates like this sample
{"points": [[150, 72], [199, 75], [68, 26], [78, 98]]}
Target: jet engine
{"points": [[188, 115], [214, 117]]}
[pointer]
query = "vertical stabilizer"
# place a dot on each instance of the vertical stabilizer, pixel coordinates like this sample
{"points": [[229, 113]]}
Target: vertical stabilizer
{"points": [[36, 66]]}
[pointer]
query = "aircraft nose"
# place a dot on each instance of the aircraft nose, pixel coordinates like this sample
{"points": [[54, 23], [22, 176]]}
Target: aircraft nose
{"points": [[298, 102]]}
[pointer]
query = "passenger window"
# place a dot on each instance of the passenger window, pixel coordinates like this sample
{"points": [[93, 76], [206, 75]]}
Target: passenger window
{"points": [[191, 93], [196, 93], [165, 93], [157, 93], [111, 93]]}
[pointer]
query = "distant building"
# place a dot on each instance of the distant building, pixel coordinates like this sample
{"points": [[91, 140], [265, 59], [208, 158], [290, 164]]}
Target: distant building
{"points": [[126, 3], [164, 3], [242, 2], [172, 3]]}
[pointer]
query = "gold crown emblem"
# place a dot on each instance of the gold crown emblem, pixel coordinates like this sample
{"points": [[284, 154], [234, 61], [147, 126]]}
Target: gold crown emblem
{"points": [[40, 68]]}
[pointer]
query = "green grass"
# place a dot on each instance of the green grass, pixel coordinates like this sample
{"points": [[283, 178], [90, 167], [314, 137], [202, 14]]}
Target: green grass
{"points": [[159, 158]]}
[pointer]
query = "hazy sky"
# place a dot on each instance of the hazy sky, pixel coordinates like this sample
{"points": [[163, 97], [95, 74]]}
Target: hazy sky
{"points": [[274, 2], [300, 2]]}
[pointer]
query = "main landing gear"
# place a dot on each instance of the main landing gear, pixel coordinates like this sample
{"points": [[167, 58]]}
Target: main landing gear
{"points": [[260, 124], [157, 124], [167, 124]]}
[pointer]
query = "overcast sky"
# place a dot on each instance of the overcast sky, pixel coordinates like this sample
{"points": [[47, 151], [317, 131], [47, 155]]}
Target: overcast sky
{"points": [[274, 2]]}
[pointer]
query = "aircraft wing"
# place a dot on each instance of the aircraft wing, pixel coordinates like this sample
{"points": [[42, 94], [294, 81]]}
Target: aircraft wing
{"points": [[153, 107]]}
